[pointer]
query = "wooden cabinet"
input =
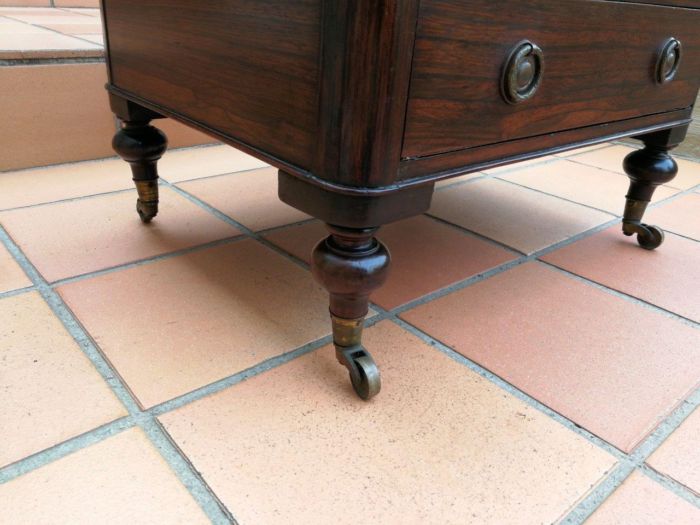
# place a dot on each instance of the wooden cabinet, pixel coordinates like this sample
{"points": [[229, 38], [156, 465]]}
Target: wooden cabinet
{"points": [[363, 105]]}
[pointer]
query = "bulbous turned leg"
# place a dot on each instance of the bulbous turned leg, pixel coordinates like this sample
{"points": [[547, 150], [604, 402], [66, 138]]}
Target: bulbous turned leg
{"points": [[351, 263], [141, 145], [647, 168]]}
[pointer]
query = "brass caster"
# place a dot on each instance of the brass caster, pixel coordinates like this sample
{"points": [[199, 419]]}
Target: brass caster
{"points": [[649, 237], [364, 374], [146, 210]]}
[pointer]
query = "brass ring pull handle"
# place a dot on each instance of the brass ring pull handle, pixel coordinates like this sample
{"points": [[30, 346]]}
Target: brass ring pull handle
{"points": [[522, 72], [668, 61]]}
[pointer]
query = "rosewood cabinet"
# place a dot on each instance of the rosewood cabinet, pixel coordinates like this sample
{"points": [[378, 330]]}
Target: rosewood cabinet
{"points": [[363, 105]]}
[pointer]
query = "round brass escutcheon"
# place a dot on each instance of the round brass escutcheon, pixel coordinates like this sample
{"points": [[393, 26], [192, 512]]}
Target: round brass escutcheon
{"points": [[668, 61], [522, 72]]}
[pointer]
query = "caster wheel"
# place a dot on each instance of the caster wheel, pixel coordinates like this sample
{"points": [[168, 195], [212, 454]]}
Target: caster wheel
{"points": [[364, 374], [367, 381], [650, 237], [146, 211]]}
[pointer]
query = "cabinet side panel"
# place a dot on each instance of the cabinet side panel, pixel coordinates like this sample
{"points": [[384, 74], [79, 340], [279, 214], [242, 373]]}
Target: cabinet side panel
{"points": [[247, 69]]}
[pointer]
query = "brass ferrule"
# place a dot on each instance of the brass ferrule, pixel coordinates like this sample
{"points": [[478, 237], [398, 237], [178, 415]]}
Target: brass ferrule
{"points": [[147, 190], [634, 210], [347, 332]]}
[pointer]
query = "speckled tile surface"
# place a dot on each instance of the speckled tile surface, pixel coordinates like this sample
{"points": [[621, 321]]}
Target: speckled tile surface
{"points": [[50, 390], [197, 384], [614, 367], [128, 482], [423, 452], [642, 502]]}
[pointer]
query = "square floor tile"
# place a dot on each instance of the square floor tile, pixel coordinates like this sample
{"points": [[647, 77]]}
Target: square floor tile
{"points": [[64, 181], [122, 479], [426, 256], [668, 277], [439, 444], [587, 185], [641, 501], [517, 217], [249, 197], [12, 277], [681, 216], [50, 390], [196, 163], [611, 159], [81, 236], [613, 367], [178, 324], [679, 456]]}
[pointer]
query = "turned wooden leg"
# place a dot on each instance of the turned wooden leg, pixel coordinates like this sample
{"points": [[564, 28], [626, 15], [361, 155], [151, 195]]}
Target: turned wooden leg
{"points": [[647, 169], [350, 263], [141, 145]]}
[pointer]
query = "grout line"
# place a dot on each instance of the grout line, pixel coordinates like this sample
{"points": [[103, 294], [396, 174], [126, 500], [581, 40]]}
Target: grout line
{"points": [[207, 499], [671, 485], [70, 10], [68, 199], [238, 377], [664, 429], [67, 35], [455, 183], [508, 387], [621, 295], [636, 461], [194, 483], [147, 260], [257, 236], [628, 462], [597, 496], [41, 61], [60, 450], [500, 268], [197, 485], [475, 235], [589, 206], [215, 175], [70, 323], [17, 291]]}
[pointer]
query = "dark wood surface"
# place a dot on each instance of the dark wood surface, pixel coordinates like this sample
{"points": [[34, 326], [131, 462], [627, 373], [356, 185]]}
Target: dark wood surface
{"points": [[364, 104], [320, 88], [247, 69], [463, 161], [599, 65], [694, 4], [367, 50]]}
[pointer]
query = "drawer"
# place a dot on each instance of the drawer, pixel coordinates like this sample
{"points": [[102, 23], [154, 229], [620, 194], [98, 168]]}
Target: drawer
{"points": [[599, 64]]}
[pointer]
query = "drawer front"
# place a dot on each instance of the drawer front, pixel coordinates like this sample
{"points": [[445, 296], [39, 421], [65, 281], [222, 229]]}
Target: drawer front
{"points": [[599, 64]]}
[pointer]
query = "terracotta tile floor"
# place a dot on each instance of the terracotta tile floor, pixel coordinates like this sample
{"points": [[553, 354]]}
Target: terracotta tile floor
{"points": [[537, 365]]}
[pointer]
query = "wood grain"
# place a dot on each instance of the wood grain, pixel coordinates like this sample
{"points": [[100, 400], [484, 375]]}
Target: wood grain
{"points": [[599, 63], [248, 68]]}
